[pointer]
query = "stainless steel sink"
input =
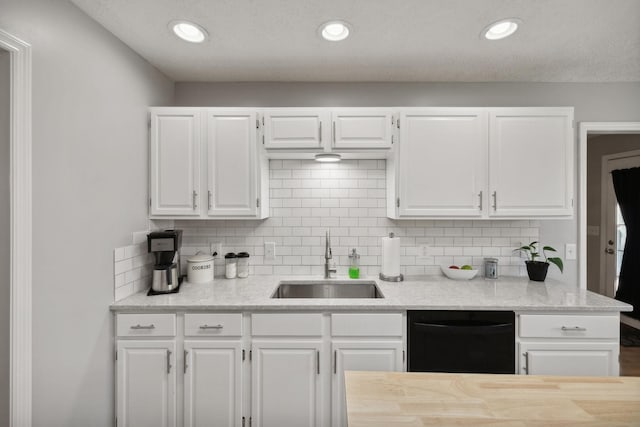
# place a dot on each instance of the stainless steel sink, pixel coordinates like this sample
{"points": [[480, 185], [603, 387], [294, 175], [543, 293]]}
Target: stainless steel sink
{"points": [[327, 289]]}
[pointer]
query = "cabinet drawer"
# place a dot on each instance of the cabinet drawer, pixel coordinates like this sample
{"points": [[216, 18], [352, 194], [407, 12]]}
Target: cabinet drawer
{"points": [[146, 325], [356, 324], [569, 326], [213, 324], [286, 324]]}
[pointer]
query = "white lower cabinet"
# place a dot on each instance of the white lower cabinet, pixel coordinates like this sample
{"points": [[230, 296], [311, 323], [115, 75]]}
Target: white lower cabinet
{"points": [[359, 356], [287, 383], [146, 383], [568, 344], [212, 383], [590, 359]]}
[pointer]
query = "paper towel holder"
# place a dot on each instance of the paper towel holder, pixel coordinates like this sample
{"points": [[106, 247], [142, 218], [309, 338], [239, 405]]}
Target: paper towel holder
{"points": [[398, 278]]}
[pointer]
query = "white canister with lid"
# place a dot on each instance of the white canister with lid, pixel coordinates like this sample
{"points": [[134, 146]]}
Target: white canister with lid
{"points": [[200, 268]]}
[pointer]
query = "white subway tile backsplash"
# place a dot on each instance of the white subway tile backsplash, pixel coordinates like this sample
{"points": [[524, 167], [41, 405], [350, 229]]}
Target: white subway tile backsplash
{"points": [[349, 199], [132, 269]]}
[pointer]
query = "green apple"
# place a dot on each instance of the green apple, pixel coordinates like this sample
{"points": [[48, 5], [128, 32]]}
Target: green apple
{"points": [[466, 267]]}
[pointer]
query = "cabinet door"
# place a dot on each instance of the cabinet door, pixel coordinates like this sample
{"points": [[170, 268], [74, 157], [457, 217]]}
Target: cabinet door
{"points": [[232, 177], [590, 359], [212, 383], [531, 157], [353, 128], [287, 384], [146, 381], [442, 163], [359, 356], [175, 162], [291, 128]]}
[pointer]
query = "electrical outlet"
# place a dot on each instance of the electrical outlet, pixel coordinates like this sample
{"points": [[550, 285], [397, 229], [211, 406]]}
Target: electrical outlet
{"points": [[216, 247], [570, 251], [423, 251], [269, 251]]}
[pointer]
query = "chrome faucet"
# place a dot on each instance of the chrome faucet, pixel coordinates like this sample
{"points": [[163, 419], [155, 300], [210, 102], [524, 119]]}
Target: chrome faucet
{"points": [[328, 269]]}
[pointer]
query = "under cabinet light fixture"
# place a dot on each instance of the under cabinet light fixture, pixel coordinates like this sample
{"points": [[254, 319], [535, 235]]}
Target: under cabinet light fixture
{"points": [[334, 31], [328, 157], [501, 29], [188, 31]]}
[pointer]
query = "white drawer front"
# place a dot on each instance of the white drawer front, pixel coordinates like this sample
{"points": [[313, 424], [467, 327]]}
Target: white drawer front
{"points": [[213, 324], [365, 325], [146, 325], [309, 324], [569, 326]]}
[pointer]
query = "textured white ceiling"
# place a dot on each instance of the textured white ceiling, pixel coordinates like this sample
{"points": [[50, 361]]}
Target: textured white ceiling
{"points": [[392, 40]]}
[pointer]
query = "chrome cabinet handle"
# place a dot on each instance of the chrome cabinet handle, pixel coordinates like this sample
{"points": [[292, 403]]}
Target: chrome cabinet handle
{"points": [[525, 368], [335, 361], [573, 328], [195, 202], [480, 197], [495, 200], [186, 353], [318, 360], [209, 198], [205, 326], [168, 362], [320, 133], [139, 326], [334, 133]]}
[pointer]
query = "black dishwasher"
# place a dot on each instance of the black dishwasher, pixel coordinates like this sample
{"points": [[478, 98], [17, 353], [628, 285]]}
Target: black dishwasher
{"points": [[461, 341]]}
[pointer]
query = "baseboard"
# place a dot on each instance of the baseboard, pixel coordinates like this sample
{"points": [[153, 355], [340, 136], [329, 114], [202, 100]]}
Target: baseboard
{"points": [[629, 321]]}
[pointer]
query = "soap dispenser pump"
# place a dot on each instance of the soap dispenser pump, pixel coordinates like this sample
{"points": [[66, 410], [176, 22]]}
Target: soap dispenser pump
{"points": [[354, 266]]}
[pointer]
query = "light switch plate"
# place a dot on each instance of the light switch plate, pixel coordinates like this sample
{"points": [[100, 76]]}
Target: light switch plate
{"points": [[269, 251], [216, 247], [570, 251]]}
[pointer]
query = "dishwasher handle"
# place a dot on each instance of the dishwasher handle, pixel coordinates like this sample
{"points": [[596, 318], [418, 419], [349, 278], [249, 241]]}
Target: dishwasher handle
{"points": [[465, 329]]}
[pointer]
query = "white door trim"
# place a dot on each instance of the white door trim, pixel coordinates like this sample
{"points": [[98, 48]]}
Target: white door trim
{"points": [[605, 212], [21, 237], [585, 129]]}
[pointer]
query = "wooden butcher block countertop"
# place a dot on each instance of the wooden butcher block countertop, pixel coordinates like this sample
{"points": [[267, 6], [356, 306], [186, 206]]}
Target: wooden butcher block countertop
{"points": [[389, 399]]}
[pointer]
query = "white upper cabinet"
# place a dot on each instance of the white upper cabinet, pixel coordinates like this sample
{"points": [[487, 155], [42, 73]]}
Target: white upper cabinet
{"points": [[361, 128], [291, 128], [531, 157], [482, 163], [442, 162], [231, 159], [212, 149], [175, 161]]}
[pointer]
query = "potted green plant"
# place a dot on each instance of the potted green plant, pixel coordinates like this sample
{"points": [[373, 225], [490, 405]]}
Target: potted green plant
{"points": [[537, 270]]}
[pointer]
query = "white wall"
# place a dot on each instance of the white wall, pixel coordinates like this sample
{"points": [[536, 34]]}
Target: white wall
{"points": [[597, 147], [592, 102], [90, 99], [4, 237]]}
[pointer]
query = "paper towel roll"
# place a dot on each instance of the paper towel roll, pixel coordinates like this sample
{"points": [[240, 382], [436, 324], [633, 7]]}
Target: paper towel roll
{"points": [[391, 256]]}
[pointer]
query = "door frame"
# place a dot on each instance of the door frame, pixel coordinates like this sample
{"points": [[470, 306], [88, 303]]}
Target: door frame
{"points": [[604, 212], [585, 129], [20, 387]]}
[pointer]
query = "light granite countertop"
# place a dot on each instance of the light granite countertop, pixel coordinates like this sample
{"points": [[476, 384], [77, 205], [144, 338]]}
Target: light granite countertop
{"points": [[415, 293]]}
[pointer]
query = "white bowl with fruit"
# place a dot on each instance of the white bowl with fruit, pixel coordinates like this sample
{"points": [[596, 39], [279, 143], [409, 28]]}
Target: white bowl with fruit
{"points": [[465, 272]]}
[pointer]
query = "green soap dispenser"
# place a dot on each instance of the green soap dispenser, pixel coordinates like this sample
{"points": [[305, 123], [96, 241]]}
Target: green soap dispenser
{"points": [[354, 266]]}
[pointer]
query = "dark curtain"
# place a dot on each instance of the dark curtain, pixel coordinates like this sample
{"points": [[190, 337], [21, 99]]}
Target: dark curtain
{"points": [[626, 183]]}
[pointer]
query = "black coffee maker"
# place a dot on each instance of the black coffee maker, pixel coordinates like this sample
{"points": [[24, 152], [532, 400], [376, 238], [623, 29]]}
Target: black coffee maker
{"points": [[165, 247]]}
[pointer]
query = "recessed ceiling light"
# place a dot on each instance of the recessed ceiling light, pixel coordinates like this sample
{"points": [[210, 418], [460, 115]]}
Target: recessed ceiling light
{"points": [[501, 29], [188, 31], [334, 30], [328, 157]]}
